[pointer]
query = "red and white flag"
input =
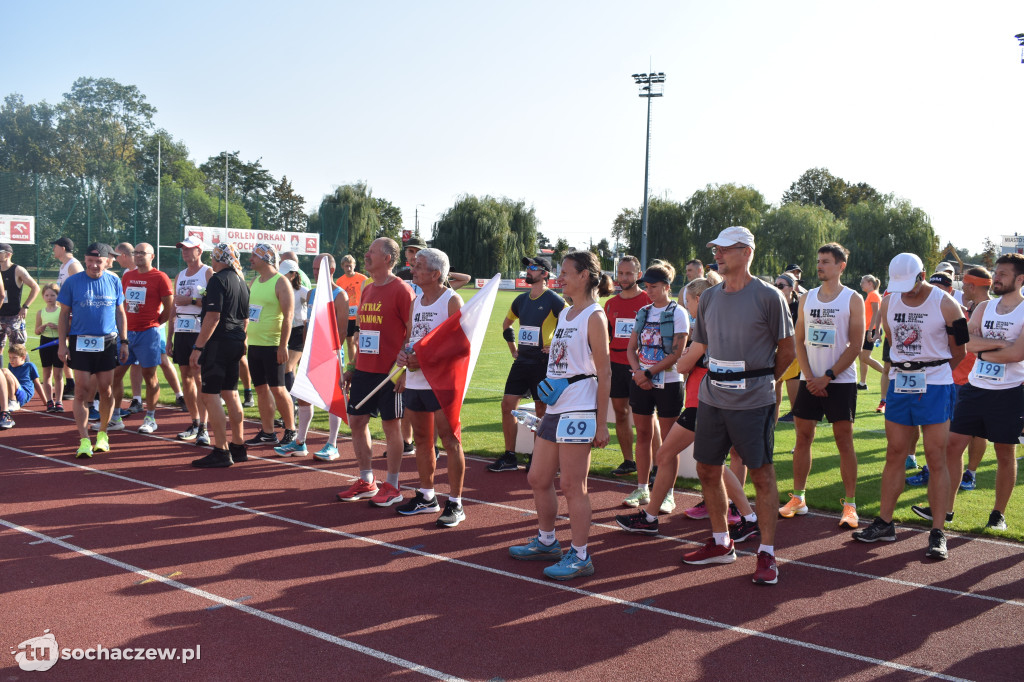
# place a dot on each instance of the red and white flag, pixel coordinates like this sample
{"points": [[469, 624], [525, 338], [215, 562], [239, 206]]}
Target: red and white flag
{"points": [[448, 354], [318, 377]]}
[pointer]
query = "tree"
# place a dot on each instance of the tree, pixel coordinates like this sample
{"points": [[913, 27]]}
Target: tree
{"points": [[603, 251], [346, 220], [793, 233], [286, 207], [818, 187], [989, 254], [542, 241], [487, 235], [666, 230], [28, 138], [878, 230], [561, 248], [712, 209], [390, 217]]}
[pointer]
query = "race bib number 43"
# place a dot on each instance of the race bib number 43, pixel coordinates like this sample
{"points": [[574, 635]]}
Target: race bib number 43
{"points": [[624, 327], [576, 427]]}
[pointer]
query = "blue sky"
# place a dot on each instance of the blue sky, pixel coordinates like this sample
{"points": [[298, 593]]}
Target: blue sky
{"points": [[534, 100]]}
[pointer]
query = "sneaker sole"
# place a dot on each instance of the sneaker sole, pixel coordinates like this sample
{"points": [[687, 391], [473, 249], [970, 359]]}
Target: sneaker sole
{"points": [[638, 531], [884, 538], [536, 556], [419, 510], [798, 512], [327, 458], [724, 559], [292, 453], [926, 517], [761, 581], [748, 536], [582, 573], [938, 556], [357, 496], [635, 504], [387, 503], [187, 439], [503, 468], [451, 524], [851, 526]]}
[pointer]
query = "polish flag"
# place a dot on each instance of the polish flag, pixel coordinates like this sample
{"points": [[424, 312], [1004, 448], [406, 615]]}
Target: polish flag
{"points": [[318, 377], [447, 355]]}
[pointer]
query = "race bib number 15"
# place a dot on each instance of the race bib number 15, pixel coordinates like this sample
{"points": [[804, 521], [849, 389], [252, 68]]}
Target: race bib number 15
{"points": [[369, 342]]}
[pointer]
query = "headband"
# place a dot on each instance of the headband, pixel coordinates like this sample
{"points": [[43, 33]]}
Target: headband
{"points": [[226, 253], [978, 281], [266, 253]]}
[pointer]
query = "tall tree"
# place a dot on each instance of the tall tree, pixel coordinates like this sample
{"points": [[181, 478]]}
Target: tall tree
{"points": [[710, 210], [347, 220], [878, 230], [487, 235], [819, 187], [793, 233], [286, 208], [667, 236], [390, 217]]}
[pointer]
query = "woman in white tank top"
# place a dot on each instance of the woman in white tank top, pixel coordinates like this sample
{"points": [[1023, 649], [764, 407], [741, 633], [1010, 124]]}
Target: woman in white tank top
{"points": [[575, 422]]}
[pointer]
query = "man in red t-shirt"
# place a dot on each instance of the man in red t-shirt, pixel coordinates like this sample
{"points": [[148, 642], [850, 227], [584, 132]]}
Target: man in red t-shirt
{"points": [[384, 312], [621, 312], [147, 304]]}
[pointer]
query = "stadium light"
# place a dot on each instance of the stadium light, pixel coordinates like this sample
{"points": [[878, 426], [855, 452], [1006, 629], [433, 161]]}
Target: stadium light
{"points": [[651, 85], [418, 217]]}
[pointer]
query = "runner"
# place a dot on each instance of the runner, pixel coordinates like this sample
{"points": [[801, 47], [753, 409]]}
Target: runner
{"points": [[694, 270], [976, 284], [621, 311], [537, 311], [655, 345], [872, 301], [216, 354], [352, 282], [578, 371], [47, 319], [92, 319], [748, 341], [384, 313], [928, 333], [271, 306], [829, 333], [183, 325], [430, 308], [12, 312], [991, 405], [69, 265]]}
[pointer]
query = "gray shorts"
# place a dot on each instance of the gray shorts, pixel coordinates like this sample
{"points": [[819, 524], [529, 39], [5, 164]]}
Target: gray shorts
{"points": [[751, 432], [12, 327]]}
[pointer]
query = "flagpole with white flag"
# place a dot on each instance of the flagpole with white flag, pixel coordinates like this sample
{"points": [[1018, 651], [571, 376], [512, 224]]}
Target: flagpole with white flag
{"points": [[319, 376]]}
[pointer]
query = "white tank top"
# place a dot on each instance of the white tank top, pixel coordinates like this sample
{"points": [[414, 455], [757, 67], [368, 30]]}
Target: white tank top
{"points": [[827, 333], [919, 335], [62, 274], [190, 285], [424, 319], [1007, 327], [570, 355]]}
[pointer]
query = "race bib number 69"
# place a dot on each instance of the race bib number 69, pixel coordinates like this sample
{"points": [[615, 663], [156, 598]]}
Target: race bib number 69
{"points": [[576, 427]]}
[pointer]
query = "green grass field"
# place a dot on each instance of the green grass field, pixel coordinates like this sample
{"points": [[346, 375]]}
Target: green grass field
{"points": [[482, 436]]}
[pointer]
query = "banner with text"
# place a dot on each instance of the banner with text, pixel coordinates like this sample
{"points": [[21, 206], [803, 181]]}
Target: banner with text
{"points": [[302, 243], [17, 229]]}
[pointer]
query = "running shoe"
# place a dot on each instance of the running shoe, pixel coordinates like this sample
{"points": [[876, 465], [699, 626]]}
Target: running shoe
{"points": [[919, 479], [506, 462], [135, 406], [668, 505], [786, 418], [733, 514], [795, 507], [287, 437], [878, 530], [627, 467], [191, 433], [911, 462], [148, 424], [571, 566], [248, 401], [58, 407], [697, 511], [5, 421], [849, 519], [419, 505], [862, 387], [926, 513], [263, 438], [386, 496], [179, 401], [637, 523], [49, 406], [328, 453], [711, 553], [116, 424], [452, 515], [637, 498], [279, 423], [996, 521], [968, 482], [767, 573], [936, 545], [881, 407], [408, 448], [535, 550], [94, 414], [102, 442], [84, 449], [292, 449], [216, 459], [358, 491], [202, 438], [744, 530], [238, 453]]}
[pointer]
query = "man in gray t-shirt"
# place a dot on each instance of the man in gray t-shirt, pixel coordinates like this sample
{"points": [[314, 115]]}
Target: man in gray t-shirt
{"points": [[745, 328]]}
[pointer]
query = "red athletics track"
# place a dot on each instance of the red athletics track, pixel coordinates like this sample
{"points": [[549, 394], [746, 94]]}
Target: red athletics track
{"points": [[260, 566]]}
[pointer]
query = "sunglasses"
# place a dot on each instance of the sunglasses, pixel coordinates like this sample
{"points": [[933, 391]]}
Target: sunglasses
{"points": [[534, 267], [783, 286]]}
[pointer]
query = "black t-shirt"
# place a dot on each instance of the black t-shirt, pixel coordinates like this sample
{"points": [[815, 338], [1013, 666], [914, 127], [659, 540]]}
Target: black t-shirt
{"points": [[227, 294], [12, 305]]}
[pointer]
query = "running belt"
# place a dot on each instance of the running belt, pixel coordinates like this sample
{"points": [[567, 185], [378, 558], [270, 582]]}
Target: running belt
{"points": [[748, 374], [919, 365]]}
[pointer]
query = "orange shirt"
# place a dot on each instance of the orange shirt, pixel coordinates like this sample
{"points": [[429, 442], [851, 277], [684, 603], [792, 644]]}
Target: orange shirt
{"points": [[353, 286], [872, 297]]}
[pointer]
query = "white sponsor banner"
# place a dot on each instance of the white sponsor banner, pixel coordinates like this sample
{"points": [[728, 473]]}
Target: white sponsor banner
{"points": [[302, 243], [17, 229], [507, 284], [1013, 241]]}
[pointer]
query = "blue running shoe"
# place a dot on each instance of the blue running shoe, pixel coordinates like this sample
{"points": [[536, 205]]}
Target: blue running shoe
{"points": [[920, 479], [571, 567], [327, 453], [536, 550], [94, 414], [911, 462], [968, 482], [292, 449]]}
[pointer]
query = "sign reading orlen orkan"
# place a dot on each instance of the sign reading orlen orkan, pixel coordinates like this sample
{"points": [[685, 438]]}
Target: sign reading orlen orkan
{"points": [[17, 229], [302, 243]]}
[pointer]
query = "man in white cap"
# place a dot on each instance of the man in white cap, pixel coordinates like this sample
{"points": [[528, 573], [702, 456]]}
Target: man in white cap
{"points": [[928, 332], [749, 343], [189, 289], [946, 268]]}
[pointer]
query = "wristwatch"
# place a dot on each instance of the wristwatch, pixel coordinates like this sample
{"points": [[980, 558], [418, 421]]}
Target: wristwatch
{"points": [[830, 374], [978, 354], [199, 348], [647, 373], [124, 342]]}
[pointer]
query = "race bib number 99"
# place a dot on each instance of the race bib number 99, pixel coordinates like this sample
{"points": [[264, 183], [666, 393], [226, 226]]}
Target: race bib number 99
{"points": [[89, 344], [576, 427]]}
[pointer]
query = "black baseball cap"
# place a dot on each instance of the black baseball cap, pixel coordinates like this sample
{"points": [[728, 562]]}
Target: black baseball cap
{"points": [[538, 261], [941, 278], [65, 242], [794, 266], [99, 250], [653, 276], [7, 248]]}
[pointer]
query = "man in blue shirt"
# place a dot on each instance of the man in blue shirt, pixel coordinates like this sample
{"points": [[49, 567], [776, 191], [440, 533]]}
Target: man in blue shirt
{"points": [[92, 320]]}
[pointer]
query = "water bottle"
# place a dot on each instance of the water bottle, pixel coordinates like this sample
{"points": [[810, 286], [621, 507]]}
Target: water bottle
{"points": [[526, 419]]}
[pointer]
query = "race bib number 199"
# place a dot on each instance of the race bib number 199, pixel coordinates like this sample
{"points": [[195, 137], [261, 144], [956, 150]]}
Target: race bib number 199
{"points": [[990, 371], [576, 427]]}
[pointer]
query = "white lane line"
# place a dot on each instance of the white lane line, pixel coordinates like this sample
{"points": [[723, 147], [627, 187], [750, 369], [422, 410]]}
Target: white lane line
{"points": [[62, 537], [236, 604], [635, 606]]}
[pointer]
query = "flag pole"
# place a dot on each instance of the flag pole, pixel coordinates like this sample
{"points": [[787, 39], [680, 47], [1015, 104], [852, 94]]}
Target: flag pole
{"points": [[394, 373]]}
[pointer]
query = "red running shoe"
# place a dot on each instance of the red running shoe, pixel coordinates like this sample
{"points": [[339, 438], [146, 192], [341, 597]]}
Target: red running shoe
{"points": [[386, 496], [359, 490], [767, 573], [711, 553]]}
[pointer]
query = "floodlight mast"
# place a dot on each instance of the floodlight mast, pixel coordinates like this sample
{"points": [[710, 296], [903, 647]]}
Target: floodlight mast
{"points": [[651, 85]]}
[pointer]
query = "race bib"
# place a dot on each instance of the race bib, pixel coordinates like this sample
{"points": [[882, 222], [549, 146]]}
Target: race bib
{"points": [[89, 344], [369, 342], [576, 427], [353, 310], [990, 371], [186, 323], [624, 327], [136, 295], [254, 313], [657, 380], [728, 367], [910, 382], [821, 336], [529, 336]]}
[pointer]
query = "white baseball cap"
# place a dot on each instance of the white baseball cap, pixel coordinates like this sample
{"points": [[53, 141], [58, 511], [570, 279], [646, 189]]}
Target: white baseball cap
{"points": [[903, 271], [734, 235], [288, 266], [190, 242], [945, 266]]}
